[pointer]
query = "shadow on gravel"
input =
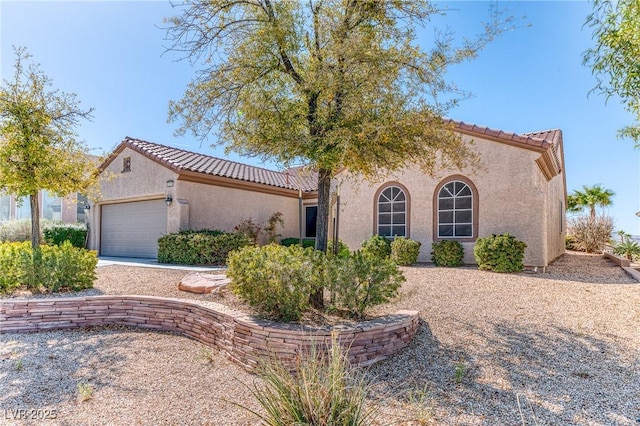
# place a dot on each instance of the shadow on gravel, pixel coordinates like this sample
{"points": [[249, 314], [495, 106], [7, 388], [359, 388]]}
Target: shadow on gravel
{"points": [[523, 377], [44, 369]]}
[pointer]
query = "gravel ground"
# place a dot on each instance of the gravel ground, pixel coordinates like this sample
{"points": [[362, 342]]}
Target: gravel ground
{"points": [[555, 348]]}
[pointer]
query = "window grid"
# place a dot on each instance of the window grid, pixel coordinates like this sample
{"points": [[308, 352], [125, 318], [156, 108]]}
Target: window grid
{"points": [[392, 212], [455, 210]]}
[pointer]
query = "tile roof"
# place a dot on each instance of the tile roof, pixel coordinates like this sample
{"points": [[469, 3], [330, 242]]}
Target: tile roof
{"points": [[543, 139], [182, 160]]}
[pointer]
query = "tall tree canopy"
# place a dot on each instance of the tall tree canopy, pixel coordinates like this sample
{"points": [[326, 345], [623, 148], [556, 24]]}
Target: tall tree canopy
{"points": [[590, 197], [330, 83], [615, 60], [38, 149]]}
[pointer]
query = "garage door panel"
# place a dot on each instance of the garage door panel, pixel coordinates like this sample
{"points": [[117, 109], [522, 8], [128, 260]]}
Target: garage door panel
{"points": [[132, 229]]}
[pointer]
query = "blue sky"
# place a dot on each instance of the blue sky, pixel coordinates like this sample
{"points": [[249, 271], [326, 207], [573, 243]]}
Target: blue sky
{"points": [[531, 78]]}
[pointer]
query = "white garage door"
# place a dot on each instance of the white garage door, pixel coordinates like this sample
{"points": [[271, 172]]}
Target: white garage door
{"points": [[133, 229]]}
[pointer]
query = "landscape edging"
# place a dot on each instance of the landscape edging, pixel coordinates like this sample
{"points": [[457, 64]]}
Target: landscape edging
{"points": [[242, 338]]}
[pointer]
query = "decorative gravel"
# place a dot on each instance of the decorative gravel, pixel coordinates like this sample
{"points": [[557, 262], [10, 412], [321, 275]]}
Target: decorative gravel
{"points": [[554, 348]]}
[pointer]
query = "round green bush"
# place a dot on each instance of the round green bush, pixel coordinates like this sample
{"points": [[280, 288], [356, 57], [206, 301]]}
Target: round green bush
{"points": [[404, 252], [499, 253], [447, 253], [377, 246]]}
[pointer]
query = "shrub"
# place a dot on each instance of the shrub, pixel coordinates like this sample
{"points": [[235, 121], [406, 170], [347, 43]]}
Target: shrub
{"points": [[54, 268], [447, 253], [626, 247], [58, 233], [249, 229], [199, 248], [271, 229], [306, 242], [404, 251], [362, 280], [322, 390], [18, 230], [568, 242], [377, 246], [590, 235], [275, 280], [499, 253]]}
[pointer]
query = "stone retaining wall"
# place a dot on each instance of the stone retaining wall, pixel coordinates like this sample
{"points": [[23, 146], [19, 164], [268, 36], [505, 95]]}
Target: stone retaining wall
{"points": [[244, 339]]}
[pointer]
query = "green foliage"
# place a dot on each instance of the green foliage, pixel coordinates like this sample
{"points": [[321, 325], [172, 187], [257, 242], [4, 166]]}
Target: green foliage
{"points": [[38, 149], [322, 390], [499, 253], [377, 246], [306, 242], [361, 280], [209, 247], [343, 249], [212, 232], [56, 234], [447, 253], [404, 252], [626, 247], [590, 234], [276, 280], [54, 268], [590, 197], [569, 241], [614, 59], [271, 229]]}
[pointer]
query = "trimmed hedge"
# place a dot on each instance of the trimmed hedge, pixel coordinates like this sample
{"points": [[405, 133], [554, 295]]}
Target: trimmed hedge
{"points": [[499, 253], [306, 242], [210, 247], [56, 234], [53, 268], [404, 251], [447, 253]]}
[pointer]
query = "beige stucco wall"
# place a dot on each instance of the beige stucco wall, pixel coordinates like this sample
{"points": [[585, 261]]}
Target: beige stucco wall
{"points": [[512, 196], [223, 208]]}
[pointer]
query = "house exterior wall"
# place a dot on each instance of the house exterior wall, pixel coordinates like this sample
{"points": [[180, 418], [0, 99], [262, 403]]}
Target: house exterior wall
{"points": [[512, 197]]}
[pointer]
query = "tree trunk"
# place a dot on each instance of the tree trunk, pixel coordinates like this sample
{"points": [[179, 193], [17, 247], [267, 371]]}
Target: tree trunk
{"points": [[35, 221], [592, 212], [322, 225]]}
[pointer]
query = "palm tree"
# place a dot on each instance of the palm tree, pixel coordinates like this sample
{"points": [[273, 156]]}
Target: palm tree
{"points": [[590, 196]]}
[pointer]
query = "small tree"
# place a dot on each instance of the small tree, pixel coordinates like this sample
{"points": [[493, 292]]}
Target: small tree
{"points": [[590, 197], [614, 59], [38, 150]]}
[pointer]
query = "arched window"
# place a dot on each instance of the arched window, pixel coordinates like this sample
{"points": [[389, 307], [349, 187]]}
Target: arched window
{"points": [[392, 207], [456, 209]]}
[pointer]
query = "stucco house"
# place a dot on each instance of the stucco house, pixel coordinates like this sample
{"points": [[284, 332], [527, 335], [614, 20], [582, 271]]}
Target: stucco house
{"points": [[150, 189]]}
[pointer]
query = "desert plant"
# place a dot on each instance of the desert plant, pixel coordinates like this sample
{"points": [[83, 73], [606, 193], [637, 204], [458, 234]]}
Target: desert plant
{"points": [[361, 280], [460, 371], [626, 247], [377, 246], [590, 235], [18, 230], [249, 229], [271, 229], [85, 391], [276, 280], [57, 233], [499, 253], [60, 268], [323, 389], [199, 248], [404, 251], [447, 253], [589, 198]]}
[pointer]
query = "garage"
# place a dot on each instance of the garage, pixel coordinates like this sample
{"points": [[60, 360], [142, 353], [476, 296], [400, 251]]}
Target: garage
{"points": [[132, 229]]}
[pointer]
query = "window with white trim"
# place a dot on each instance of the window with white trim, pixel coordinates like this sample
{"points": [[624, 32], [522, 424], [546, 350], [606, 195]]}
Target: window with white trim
{"points": [[392, 212], [455, 210]]}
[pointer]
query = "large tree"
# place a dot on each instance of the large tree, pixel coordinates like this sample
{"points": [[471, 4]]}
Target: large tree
{"points": [[38, 149], [333, 84], [615, 59], [589, 197]]}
